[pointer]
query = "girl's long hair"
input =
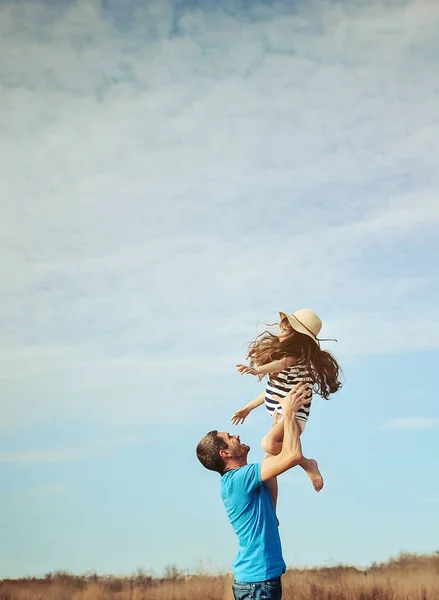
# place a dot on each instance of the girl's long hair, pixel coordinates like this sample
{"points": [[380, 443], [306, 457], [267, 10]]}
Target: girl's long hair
{"points": [[322, 367]]}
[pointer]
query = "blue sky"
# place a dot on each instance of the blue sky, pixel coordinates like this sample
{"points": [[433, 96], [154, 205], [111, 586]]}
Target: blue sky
{"points": [[172, 174]]}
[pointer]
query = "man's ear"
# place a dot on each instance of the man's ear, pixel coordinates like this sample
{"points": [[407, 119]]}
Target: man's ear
{"points": [[224, 453]]}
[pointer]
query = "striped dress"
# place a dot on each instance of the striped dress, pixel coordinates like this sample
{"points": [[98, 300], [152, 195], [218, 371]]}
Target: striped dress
{"points": [[279, 384]]}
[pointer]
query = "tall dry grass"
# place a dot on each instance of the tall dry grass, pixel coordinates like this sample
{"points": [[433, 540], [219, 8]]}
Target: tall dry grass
{"points": [[409, 577]]}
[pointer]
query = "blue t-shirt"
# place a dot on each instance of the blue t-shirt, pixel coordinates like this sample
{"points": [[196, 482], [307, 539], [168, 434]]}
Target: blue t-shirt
{"points": [[251, 512]]}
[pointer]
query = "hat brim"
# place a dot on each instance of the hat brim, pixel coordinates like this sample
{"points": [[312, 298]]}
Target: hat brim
{"points": [[297, 326]]}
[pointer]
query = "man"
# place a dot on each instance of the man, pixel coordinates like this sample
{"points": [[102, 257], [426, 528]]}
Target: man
{"points": [[259, 563]]}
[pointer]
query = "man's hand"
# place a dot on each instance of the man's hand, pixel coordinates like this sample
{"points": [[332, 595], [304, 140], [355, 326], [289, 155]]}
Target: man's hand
{"points": [[239, 417], [245, 369], [291, 453], [295, 398]]}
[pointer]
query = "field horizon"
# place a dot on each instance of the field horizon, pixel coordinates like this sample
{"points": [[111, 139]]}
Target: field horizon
{"points": [[409, 576]]}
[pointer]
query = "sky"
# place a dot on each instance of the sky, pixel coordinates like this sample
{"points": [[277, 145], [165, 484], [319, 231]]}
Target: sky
{"points": [[173, 174]]}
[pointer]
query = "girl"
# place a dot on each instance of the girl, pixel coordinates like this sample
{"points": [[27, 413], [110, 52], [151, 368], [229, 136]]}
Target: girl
{"points": [[290, 357]]}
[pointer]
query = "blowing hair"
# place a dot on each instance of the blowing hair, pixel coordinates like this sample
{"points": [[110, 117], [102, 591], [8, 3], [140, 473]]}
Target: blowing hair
{"points": [[208, 450], [321, 366]]}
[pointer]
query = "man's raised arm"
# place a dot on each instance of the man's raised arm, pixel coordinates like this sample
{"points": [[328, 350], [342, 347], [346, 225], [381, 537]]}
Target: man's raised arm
{"points": [[291, 453]]}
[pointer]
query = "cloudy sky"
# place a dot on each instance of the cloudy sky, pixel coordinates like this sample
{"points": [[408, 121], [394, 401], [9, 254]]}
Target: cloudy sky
{"points": [[172, 173]]}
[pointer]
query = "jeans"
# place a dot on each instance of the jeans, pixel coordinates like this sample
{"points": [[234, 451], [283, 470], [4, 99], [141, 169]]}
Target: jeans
{"points": [[258, 590]]}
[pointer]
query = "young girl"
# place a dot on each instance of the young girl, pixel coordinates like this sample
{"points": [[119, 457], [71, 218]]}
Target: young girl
{"points": [[290, 357]]}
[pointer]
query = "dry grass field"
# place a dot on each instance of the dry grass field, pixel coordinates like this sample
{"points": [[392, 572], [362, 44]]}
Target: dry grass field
{"points": [[409, 577]]}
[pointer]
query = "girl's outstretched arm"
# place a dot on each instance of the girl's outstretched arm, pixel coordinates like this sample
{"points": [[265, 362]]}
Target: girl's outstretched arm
{"points": [[272, 367], [239, 417]]}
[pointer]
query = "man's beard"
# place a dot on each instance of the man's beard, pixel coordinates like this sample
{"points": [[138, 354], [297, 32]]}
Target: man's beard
{"points": [[243, 450]]}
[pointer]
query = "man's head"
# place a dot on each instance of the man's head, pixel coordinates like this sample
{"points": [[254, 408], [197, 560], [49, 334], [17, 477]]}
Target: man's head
{"points": [[220, 451]]}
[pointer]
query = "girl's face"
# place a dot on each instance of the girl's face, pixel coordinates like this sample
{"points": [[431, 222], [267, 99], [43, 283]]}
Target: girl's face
{"points": [[285, 330]]}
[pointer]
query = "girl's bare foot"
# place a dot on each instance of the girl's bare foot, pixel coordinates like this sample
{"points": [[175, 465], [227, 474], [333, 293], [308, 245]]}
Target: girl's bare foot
{"points": [[311, 468]]}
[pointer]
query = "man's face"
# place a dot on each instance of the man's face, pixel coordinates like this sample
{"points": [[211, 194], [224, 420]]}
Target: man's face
{"points": [[234, 446]]}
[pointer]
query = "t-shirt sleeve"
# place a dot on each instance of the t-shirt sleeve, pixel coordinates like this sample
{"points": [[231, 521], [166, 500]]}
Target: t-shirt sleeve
{"points": [[249, 477]]}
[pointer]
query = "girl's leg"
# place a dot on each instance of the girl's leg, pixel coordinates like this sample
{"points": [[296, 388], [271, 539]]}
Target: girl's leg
{"points": [[272, 441], [311, 468], [272, 444]]}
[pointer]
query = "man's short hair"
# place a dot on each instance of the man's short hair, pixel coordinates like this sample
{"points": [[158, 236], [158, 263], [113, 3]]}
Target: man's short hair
{"points": [[208, 451]]}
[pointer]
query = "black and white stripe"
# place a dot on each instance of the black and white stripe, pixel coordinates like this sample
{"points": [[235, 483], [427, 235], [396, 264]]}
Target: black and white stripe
{"points": [[279, 384]]}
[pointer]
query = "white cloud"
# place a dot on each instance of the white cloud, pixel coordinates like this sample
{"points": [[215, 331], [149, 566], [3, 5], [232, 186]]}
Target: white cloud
{"points": [[413, 423], [32, 457], [47, 383], [162, 194], [43, 491], [430, 498], [88, 447]]}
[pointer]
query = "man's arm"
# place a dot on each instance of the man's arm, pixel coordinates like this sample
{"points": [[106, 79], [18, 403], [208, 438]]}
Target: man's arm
{"points": [[291, 453]]}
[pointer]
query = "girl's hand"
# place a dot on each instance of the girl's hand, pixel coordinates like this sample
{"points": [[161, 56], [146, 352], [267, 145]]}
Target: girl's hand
{"points": [[239, 417], [245, 369]]}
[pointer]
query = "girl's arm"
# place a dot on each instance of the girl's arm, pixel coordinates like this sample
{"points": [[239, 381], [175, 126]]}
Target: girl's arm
{"points": [[239, 417], [273, 367]]}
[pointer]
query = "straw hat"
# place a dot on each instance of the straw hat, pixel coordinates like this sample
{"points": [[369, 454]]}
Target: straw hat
{"points": [[304, 321]]}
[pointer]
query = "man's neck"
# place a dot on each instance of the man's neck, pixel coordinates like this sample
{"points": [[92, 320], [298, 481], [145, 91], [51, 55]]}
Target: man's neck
{"points": [[234, 464]]}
